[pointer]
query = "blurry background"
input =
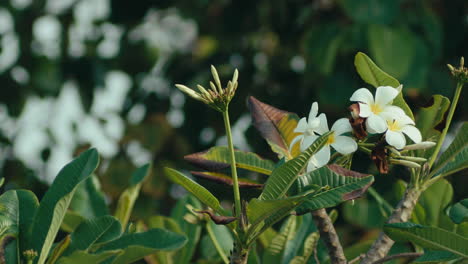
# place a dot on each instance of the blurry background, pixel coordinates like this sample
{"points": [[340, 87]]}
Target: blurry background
{"points": [[80, 73]]}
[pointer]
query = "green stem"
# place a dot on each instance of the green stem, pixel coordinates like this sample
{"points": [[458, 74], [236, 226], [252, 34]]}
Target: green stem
{"points": [[235, 184], [385, 206], [447, 123], [216, 244]]}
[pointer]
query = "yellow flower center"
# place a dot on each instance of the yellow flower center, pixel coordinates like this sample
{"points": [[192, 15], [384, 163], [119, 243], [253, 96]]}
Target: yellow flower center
{"points": [[375, 108], [331, 139], [393, 126]]}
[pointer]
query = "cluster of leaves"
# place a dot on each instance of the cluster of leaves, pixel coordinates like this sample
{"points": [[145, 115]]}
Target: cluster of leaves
{"points": [[29, 228]]}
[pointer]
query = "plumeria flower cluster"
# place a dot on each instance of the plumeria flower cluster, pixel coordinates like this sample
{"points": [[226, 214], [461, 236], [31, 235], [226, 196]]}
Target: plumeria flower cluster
{"points": [[311, 128], [374, 115], [383, 117]]}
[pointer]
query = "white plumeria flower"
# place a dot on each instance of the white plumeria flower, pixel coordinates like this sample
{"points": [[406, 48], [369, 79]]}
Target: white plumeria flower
{"points": [[397, 125], [343, 144], [308, 128], [375, 110]]}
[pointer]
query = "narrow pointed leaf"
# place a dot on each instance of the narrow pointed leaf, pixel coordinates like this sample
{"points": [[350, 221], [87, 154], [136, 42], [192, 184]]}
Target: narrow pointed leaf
{"points": [[194, 188], [128, 197], [343, 185], [55, 202], [276, 126], [428, 237], [309, 246], [455, 158], [89, 201], [376, 77], [217, 158], [284, 176], [59, 250], [225, 179], [138, 245]]}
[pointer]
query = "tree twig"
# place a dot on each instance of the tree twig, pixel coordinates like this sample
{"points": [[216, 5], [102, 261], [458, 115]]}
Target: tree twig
{"points": [[411, 255], [402, 213], [330, 237]]}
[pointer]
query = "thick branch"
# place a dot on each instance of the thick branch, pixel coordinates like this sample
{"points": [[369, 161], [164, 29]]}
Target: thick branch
{"points": [[402, 213], [411, 255], [329, 236]]}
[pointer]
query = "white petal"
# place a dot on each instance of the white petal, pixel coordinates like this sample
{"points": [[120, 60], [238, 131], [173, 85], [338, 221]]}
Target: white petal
{"points": [[405, 120], [341, 126], [313, 111], [323, 127], [322, 157], [396, 139], [344, 145], [362, 95], [391, 112], [311, 166], [413, 133], [376, 124], [385, 94], [307, 141], [301, 126], [364, 110], [295, 140]]}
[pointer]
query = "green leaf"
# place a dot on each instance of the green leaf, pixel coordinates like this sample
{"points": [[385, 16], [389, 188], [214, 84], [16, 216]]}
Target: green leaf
{"points": [[17, 209], [55, 202], [309, 246], [192, 231], [428, 237], [434, 200], [339, 185], [429, 118], [276, 126], [226, 179], [455, 158], [59, 249], [370, 11], [94, 231], [194, 188], [88, 201], [305, 228], [138, 245], [218, 157], [166, 223], [376, 77], [432, 256], [224, 238], [274, 252], [459, 212], [80, 257], [128, 197], [284, 176]]}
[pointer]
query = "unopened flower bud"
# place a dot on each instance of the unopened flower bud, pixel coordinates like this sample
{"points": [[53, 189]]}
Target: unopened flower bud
{"points": [[29, 255], [460, 73], [414, 159], [421, 145], [405, 163]]}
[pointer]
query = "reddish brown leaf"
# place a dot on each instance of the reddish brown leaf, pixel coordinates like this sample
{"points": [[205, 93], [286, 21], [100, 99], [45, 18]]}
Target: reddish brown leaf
{"points": [[349, 173], [217, 219], [275, 125], [224, 179]]}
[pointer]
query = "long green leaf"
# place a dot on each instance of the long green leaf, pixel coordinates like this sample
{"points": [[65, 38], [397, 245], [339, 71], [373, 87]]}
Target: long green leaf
{"points": [[94, 231], [430, 117], [376, 77], [194, 188], [219, 158], [276, 126], [455, 158], [428, 237], [128, 197], [138, 245], [342, 185], [309, 246], [284, 176], [54, 205], [80, 257], [274, 252]]}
